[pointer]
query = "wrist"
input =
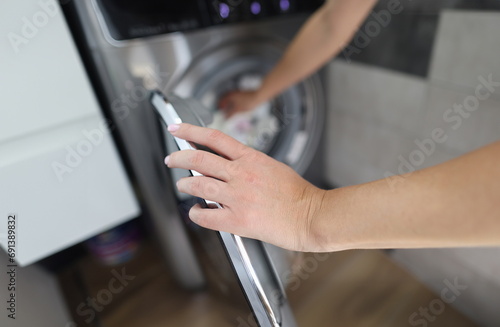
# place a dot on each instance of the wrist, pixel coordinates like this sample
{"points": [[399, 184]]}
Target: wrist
{"points": [[259, 96], [330, 225], [313, 240]]}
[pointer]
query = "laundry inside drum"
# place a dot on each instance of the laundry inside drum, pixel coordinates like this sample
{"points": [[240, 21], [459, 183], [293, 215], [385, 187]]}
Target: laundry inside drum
{"points": [[257, 128]]}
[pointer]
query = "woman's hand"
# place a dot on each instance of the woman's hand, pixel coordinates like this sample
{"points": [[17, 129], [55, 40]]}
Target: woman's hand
{"points": [[238, 101], [262, 198]]}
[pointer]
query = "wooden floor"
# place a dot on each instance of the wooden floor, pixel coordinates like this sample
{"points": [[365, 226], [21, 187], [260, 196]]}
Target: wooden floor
{"points": [[350, 288]]}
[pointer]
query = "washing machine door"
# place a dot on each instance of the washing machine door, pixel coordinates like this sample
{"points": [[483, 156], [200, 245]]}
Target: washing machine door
{"points": [[240, 269], [288, 128]]}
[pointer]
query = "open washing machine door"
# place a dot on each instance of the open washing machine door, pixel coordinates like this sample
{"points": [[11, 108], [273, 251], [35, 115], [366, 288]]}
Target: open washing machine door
{"points": [[288, 128], [240, 270]]}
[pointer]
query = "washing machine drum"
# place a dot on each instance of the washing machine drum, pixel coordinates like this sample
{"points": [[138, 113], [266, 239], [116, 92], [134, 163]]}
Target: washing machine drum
{"points": [[287, 128]]}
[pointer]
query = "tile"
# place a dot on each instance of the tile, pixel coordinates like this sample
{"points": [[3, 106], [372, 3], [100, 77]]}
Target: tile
{"points": [[481, 301], [347, 148], [353, 143], [439, 156], [432, 266], [406, 42], [422, 6], [411, 157], [433, 6], [345, 169], [378, 94], [466, 47], [486, 261], [467, 132], [387, 145], [372, 141], [403, 45]]}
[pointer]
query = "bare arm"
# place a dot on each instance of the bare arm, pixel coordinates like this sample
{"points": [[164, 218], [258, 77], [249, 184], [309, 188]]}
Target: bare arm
{"points": [[326, 33], [322, 37], [456, 203]]}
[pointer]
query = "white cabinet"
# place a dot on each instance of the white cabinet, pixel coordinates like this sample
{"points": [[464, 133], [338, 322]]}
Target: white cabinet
{"points": [[60, 172]]}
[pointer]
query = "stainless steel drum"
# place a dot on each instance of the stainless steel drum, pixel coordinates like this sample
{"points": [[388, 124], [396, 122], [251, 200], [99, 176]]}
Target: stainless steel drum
{"points": [[287, 128]]}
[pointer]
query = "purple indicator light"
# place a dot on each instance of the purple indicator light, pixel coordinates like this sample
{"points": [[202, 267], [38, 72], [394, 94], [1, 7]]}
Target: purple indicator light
{"points": [[284, 5], [224, 10], [255, 8]]}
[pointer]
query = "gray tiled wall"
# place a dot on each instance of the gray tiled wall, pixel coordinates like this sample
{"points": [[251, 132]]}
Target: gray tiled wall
{"points": [[476, 269], [476, 129], [467, 45], [375, 115]]}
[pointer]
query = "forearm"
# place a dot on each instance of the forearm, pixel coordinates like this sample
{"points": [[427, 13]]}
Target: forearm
{"points": [[456, 203], [321, 38]]}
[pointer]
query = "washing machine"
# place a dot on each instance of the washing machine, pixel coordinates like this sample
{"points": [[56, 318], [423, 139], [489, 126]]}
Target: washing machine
{"points": [[199, 50]]}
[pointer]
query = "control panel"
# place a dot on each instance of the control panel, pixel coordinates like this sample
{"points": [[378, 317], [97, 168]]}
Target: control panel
{"points": [[129, 19]]}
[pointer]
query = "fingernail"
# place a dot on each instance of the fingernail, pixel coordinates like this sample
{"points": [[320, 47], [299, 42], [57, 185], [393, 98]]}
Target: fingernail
{"points": [[167, 159], [172, 128]]}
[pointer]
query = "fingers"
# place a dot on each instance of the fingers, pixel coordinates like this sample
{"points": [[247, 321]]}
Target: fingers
{"points": [[214, 139], [227, 106], [231, 111], [225, 102], [203, 162], [206, 188], [229, 99], [216, 219]]}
